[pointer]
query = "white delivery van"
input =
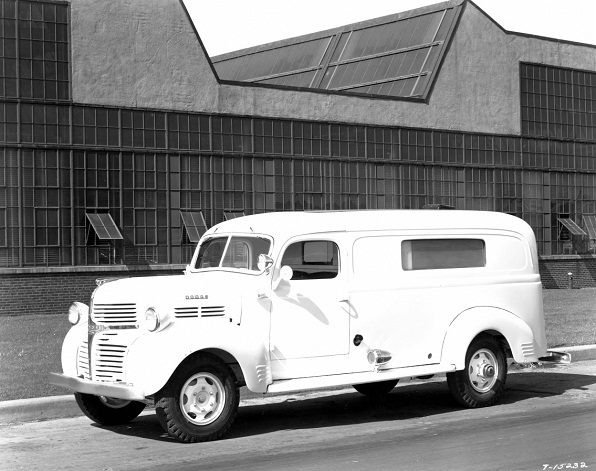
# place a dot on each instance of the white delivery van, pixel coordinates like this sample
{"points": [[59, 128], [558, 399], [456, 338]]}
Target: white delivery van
{"points": [[291, 301]]}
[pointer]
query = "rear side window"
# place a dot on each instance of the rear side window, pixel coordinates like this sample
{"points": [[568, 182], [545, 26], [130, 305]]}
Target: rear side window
{"points": [[429, 254], [312, 260]]}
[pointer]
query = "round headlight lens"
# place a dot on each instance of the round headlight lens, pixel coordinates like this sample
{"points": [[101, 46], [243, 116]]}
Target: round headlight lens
{"points": [[152, 321], [76, 312]]}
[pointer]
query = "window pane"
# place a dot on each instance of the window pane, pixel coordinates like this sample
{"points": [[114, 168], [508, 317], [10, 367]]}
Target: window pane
{"points": [[427, 254], [312, 260]]}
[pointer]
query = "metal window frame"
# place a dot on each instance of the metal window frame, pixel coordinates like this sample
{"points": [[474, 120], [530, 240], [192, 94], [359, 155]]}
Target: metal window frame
{"points": [[104, 226], [194, 224]]}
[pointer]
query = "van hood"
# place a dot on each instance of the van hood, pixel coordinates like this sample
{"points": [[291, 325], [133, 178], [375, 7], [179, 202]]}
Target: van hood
{"points": [[209, 294]]}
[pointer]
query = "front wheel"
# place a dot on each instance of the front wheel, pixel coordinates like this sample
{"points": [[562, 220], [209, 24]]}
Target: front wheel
{"points": [[200, 401], [482, 382], [108, 410]]}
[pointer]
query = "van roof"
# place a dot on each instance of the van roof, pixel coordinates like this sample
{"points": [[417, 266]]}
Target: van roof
{"points": [[291, 223]]}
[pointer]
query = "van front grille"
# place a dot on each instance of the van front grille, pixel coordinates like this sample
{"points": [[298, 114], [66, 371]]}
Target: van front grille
{"points": [[108, 354], [83, 360], [115, 314]]}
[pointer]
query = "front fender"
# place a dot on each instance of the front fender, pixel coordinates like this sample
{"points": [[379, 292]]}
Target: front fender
{"points": [[468, 324], [153, 357], [75, 337]]}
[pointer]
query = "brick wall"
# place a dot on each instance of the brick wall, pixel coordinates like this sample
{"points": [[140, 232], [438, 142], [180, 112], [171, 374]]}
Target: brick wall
{"points": [[51, 291], [554, 271]]}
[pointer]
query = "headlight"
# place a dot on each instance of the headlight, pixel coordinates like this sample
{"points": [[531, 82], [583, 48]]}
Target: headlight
{"points": [[76, 312], [152, 320]]}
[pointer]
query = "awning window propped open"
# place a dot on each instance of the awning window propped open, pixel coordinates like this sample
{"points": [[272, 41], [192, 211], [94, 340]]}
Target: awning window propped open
{"points": [[590, 225], [573, 228], [233, 214], [104, 226], [195, 225]]}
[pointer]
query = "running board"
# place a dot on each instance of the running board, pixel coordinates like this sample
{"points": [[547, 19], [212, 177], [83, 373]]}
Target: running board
{"points": [[348, 379]]}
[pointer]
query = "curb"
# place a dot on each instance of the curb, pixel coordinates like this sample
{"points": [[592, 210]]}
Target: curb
{"points": [[40, 408], [579, 353], [61, 407]]}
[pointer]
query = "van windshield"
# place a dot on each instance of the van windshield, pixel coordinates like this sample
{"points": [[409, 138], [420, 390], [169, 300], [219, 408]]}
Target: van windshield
{"points": [[239, 252]]}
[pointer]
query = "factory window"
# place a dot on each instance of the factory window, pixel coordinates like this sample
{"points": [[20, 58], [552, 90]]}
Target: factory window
{"points": [[273, 136], [9, 125], [382, 143], [45, 124], [144, 129], [311, 139], [186, 132], [558, 103], [35, 57]]}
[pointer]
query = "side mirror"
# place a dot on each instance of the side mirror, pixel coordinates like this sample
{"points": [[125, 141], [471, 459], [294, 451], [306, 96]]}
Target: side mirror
{"points": [[265, 262], [286, 273]]}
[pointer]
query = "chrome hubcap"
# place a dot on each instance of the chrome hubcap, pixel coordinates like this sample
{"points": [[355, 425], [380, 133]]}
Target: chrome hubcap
{"points": [[483, 370], [202, 398]]}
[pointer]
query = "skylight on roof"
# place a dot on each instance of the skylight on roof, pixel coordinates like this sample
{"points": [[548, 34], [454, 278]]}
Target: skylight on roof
{"points": [[395, 56]]}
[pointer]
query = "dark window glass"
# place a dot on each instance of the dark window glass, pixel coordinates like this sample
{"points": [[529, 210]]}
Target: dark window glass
{"points": [[312, 260], [557, 103], [430, 254]]}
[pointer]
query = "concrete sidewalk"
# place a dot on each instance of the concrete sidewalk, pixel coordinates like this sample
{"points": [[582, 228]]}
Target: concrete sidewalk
{"points": [[59, 407]]}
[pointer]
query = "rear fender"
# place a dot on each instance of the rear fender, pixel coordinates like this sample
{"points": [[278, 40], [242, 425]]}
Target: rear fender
{"points": [[472, 322]]}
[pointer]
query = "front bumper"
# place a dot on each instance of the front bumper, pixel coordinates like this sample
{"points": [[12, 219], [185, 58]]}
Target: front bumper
{"points": [[116, 390]]}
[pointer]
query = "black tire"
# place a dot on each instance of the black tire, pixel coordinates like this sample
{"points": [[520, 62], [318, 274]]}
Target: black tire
{"points": [[108, 410], [482, 382], [380, 388], [208, 416]]}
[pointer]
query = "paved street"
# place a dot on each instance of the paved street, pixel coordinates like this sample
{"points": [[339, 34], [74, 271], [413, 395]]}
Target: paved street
{"points": [[548, 418]]}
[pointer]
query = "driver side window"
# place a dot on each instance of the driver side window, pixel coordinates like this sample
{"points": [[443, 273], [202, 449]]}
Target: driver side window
{"points": [[312, 260]]}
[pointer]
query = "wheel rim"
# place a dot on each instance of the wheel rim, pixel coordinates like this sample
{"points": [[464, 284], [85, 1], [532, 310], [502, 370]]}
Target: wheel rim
{"points": [[113, 403], [202, 398], [483, 370]]}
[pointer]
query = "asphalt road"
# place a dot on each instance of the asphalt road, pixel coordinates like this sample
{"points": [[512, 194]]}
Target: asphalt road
{"points": [[547, 419]]}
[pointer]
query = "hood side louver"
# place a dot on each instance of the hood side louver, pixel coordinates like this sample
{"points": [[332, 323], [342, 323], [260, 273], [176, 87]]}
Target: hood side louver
{"points": [[213, 311], [204, 311], [186, 312]]}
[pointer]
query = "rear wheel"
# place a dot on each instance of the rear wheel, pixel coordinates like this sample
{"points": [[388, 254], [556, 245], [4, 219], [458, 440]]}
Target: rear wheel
{"points": [[108, 410], [376, 389], [482, 382], [200, 401]]}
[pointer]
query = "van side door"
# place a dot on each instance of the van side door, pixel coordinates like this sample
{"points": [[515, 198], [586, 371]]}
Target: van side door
{"points": [[310, 312]]}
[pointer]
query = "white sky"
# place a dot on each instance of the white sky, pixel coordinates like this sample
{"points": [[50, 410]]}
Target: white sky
{"points": [[229, 25]]}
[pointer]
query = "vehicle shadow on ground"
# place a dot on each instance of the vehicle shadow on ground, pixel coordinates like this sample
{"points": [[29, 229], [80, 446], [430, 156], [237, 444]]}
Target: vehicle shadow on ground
{"points": [[409, 401]]}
